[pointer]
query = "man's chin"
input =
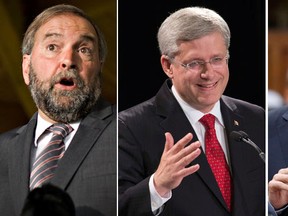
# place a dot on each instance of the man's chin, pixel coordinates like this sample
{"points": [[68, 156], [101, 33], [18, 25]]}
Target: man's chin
{"points": [[64, 101]]}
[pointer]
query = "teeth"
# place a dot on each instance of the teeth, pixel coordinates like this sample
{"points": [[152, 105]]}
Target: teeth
{"points": [[208, 86]]}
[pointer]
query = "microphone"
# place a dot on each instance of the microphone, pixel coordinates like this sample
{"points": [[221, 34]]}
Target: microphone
{"points": [[242, 136]]}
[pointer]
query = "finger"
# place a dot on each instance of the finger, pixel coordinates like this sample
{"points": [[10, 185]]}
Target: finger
{"points": [[188, 149], [277, 185], [169, 142], [182, 143], [195, 152], [283, 171], [189, 154], [281, 177], [192, 147], [189, 170]]}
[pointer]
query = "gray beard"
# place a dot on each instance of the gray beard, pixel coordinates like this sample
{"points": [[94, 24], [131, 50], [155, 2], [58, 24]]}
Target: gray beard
{"points": [[61, 105]]}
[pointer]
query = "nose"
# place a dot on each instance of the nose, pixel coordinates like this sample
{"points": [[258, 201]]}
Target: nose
{"points": [[69, 60], [207, 70]]}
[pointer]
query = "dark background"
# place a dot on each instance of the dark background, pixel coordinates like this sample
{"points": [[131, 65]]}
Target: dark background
{"points": [[139, 71]]}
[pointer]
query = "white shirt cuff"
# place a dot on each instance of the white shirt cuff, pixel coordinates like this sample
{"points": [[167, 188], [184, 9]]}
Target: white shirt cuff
{"points": [[156, 200]]}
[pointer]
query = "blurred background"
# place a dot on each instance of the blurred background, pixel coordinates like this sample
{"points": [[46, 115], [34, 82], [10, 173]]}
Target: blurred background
{"points": [[277, 53], [16, 105], [139, 71]]}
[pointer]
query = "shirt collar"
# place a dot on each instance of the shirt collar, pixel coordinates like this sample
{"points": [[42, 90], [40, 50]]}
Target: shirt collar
{"points": [[42, 125], [193, 114]]}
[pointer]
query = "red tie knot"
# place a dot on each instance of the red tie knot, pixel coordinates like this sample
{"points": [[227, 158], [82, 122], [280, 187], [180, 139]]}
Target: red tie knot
{"points": [[208, 121]]}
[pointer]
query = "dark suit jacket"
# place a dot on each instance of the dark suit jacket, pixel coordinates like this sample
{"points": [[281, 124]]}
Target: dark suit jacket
{"points": [[277, 142], [141, 142], [87, 170]]}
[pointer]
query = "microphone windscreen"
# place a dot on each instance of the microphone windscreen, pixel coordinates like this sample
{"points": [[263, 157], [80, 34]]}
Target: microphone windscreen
{"points": [[244, 134], [236, 135]]}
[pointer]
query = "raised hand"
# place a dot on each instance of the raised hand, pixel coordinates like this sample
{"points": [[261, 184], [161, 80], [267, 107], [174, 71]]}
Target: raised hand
{"points": [[174, 163]]}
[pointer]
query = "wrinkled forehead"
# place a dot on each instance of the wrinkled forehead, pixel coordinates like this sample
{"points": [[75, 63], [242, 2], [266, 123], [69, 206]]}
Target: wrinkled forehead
{"points": [[66, 24]]}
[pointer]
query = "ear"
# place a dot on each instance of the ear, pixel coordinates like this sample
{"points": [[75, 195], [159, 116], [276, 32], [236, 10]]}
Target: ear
{"points": [[166, 66], [25, 68]]}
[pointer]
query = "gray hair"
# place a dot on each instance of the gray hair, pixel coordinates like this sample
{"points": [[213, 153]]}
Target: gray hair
{"points": [[188, 24], [49, 13]]}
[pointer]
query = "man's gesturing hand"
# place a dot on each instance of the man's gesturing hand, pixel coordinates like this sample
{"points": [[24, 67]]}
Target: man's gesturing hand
{"points": [[174, 163]]}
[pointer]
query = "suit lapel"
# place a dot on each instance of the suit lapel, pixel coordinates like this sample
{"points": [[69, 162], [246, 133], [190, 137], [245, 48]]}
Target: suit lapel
{"points": [[238, 153], [233, 122], [85, 138], [19, 164]]}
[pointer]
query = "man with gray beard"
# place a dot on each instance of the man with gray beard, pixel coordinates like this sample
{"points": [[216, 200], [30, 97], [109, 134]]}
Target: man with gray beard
{"points": [[70, 142]]}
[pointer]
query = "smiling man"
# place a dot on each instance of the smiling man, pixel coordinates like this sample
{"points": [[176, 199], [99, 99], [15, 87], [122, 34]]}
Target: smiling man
{"points": [[71, 141], [176, 156]]}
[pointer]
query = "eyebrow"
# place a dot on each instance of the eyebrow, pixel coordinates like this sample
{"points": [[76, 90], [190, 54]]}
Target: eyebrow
{"points": [[88, 38], [49, 35]]}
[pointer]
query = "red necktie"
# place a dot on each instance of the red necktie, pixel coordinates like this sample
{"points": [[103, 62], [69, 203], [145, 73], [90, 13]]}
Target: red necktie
{"points": [[216, 158], [46, 163]]}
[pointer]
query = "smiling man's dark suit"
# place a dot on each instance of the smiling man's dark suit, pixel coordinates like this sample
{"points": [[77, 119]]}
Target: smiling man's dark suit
{"points": [[87, 171], [141, 144]]}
